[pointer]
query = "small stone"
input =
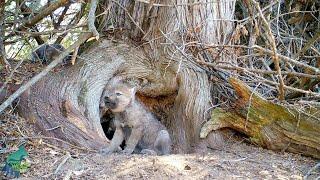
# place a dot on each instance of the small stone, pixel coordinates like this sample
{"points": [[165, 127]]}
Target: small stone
{"points": [[187, 167]]}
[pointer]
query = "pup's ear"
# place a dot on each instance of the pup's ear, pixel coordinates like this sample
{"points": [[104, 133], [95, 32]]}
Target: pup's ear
{"points": [[115, 80], [133, 91]]}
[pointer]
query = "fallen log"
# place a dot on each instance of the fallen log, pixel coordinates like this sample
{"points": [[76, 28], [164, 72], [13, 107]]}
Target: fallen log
{"points": [[268, 124]]}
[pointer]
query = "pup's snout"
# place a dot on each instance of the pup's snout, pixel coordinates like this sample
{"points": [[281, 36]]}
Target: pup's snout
{"points": [[109, 102], [107, 99]]}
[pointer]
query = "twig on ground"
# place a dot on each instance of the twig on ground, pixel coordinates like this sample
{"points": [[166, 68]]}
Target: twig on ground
{"points": [[311, 170], [65, 159], [52, 138]]}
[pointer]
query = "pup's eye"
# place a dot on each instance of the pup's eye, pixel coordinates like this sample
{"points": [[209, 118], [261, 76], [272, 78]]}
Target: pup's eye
{"points": [[118, 94]]}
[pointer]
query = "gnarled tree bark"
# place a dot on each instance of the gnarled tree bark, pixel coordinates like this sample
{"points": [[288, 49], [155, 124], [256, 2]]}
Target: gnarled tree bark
{"points": [[65, 105]]}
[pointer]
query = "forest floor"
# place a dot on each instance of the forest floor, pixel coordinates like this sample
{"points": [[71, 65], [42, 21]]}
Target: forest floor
{"points": [[240, 161], [236, 160]]}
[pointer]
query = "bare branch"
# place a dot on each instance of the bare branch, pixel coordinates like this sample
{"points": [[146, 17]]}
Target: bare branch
{"points": [[275, 56], [3, 59], [92, 17], [287, 59], [73, 24], [74, 55], [70, 29], [43, 13], [10, 75], [27, 14], [309, 44], [258, 71], [64, 12], [56, 61], [292, 88]]}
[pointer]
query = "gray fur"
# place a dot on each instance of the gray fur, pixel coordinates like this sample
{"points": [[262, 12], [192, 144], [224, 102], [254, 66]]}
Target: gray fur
{"points": [[134, 124], [47, 52]]}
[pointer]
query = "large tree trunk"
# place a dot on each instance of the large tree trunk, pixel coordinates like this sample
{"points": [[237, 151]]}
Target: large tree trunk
{"points": [[162, 28], [65, 105]]}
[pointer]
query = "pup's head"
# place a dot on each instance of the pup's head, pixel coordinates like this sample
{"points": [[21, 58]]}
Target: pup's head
{"points": [[118, 97]]}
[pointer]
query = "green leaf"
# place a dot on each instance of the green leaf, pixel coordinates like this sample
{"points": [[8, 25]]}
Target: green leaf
{"points": [[17, 156]]}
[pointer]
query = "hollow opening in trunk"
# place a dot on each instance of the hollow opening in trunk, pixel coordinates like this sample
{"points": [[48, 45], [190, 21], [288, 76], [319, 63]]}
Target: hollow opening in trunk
{"points": [[107, 126], [158, 106]]}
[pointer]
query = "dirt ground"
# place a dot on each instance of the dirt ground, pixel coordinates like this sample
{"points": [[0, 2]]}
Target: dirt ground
{"points": [[236, 160], [240, 161]]}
